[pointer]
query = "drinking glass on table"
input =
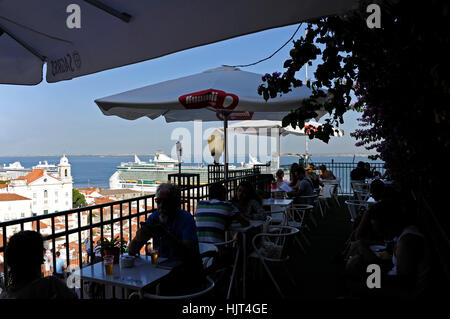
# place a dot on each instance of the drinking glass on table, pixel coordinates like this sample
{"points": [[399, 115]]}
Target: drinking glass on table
{"points": [[154, 255], [108, 260]]}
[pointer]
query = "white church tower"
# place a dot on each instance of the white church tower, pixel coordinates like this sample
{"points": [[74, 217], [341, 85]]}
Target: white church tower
{"points": [[64, 170]]}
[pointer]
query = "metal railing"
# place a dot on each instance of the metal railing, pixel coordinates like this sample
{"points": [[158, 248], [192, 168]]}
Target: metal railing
{"points": [[217, 172], [342, 171], [119, 218]]}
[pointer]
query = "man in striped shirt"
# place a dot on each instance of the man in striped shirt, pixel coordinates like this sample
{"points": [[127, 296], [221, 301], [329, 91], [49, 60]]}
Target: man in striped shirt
{"points": [[214, 215]]}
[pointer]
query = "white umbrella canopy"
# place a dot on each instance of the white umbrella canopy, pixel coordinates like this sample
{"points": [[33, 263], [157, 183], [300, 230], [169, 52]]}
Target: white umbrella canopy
{"points": [[204, 96], [273, 129], [79, 37], [224, 93]]}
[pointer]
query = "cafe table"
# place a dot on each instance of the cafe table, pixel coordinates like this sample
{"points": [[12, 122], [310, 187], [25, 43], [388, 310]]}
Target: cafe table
{"points": [[140, 275], [243, 230], [277, 202]]}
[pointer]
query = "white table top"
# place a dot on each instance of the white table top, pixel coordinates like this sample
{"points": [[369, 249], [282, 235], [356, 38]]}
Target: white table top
{"points": [[253, 223], [278, 202], [141, 274]]}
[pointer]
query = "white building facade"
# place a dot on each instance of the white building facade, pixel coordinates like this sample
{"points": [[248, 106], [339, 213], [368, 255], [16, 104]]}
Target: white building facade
{"points": [[49, 192]]}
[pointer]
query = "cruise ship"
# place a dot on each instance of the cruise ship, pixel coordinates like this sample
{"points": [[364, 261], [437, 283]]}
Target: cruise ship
{"points": [[145, 176]]}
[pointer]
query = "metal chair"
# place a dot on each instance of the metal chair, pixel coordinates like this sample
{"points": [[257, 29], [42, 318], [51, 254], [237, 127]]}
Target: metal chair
{"points": [[208, 251], [279, 195], [296, 216], [331, 187], [142, 295], [355, 207], [273, 247], [312, 200], [360, 189]]}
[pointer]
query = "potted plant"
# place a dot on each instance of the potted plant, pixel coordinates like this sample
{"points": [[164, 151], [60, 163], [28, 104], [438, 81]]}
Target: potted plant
{"points": [[113, 247]]}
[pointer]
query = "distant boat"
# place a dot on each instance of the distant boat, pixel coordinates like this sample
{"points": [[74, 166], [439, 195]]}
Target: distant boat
{"points": [[145, 176]]}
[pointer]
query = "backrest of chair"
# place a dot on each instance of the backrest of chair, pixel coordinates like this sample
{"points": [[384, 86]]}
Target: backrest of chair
{"points": [[360, 186], [355, 207], [209, 286], [281, 237], [279, 195], [310, 199]]}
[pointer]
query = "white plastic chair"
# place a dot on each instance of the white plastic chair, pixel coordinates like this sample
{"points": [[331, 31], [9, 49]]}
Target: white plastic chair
{"points": [[273, 247]]}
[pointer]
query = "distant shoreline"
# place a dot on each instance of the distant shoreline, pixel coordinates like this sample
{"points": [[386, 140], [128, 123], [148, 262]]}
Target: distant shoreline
{"points": [[128, 155]]}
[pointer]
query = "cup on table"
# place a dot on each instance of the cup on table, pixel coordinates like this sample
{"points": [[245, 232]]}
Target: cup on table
{"points": [[108, 260], [154, 256]]}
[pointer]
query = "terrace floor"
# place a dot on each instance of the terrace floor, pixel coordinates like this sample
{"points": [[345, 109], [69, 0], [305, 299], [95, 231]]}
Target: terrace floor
{"points": [[316, 272]]}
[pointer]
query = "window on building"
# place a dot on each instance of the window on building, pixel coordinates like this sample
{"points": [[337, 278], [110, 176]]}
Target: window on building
{"points": [[67, 194], [45, 211], [45, 202], [56, 193], [65, 172], [45, 194], [34, 195], [22, 214], [56, 201]]}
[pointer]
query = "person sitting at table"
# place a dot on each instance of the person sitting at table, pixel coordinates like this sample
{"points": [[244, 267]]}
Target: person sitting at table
{"points": [[281, 183], [248, 202], [325, 174], [360, 173], [215, 215], [304, 186], [293, 178], [174, 235], [376, 191], [24, 255], [313, 177], [409, 274]]}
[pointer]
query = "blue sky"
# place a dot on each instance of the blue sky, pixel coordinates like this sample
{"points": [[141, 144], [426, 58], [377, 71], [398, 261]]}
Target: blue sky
{"points": [[57, 118]]}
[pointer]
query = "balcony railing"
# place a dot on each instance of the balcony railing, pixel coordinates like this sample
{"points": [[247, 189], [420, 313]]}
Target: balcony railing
{"points": [[119, 218]]}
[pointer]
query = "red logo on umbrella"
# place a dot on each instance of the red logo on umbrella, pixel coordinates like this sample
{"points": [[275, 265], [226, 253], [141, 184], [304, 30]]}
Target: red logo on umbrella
{"points": [[217, 99]]}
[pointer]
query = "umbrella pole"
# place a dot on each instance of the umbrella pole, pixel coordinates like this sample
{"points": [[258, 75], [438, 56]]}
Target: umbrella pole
{"points": [[225, 129], [278, 148]]}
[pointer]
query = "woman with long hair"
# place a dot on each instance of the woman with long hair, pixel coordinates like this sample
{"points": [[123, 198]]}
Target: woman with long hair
{"points": [[248, 202]]}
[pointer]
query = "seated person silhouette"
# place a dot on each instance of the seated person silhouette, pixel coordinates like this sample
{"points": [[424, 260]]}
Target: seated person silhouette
{"points": [[25, 255], [174, 235]]}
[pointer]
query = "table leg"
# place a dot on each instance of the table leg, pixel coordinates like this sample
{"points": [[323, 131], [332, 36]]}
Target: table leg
{"points": [[234, 271], [244, 270]]}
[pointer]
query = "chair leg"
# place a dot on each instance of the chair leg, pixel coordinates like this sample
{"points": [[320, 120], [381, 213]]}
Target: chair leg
{"points": [[305, 238], [291, 278], [300, 244], [271, 277], [313, 219]]}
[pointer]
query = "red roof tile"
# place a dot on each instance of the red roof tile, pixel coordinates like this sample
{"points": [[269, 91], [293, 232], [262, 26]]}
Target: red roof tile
{"points": [[3, 185], [34, 175], [10, 197]]}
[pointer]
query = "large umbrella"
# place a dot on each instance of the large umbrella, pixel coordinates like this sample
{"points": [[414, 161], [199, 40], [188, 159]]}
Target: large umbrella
{"points": [[224, 94], [273, 129], [79, 37]]}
